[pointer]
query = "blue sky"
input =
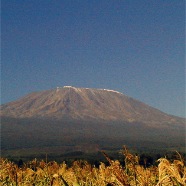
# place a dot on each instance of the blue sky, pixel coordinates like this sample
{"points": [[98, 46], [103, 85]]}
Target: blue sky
{"points": [[136, 47]]}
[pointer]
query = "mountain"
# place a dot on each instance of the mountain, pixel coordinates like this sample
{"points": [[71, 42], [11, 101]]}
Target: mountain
{"points": [[84, 104], [71, 119]]}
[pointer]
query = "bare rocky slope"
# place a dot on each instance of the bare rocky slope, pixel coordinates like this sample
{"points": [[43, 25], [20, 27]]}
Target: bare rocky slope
{"points": [[85, 104]]}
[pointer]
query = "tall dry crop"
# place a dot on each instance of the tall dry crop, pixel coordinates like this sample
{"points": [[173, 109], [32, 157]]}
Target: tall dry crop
{"points": [[81, 173]]}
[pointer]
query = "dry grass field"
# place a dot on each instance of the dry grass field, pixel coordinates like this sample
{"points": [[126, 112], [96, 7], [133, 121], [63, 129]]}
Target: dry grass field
{"points": [[81, 173]]}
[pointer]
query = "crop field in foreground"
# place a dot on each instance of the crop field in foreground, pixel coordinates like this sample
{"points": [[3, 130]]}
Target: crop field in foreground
{"points": [[81, 173]]}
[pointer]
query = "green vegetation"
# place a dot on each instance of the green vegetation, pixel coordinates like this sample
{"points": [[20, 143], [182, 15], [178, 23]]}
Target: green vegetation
{"points": [[130, 171]]}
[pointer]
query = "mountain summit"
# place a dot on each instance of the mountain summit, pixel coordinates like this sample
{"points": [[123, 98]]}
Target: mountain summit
{"points": [[84, 104]]}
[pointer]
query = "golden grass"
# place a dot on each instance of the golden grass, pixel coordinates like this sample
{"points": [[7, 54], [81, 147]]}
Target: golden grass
{"points": [[81, 173]]}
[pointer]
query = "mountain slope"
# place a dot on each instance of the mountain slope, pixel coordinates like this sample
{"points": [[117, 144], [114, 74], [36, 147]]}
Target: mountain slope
{"points": [[85, 104], [72, 119]]}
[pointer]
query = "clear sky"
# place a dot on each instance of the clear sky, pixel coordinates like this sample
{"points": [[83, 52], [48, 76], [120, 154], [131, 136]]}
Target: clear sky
{"points": [[136, 47]]}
